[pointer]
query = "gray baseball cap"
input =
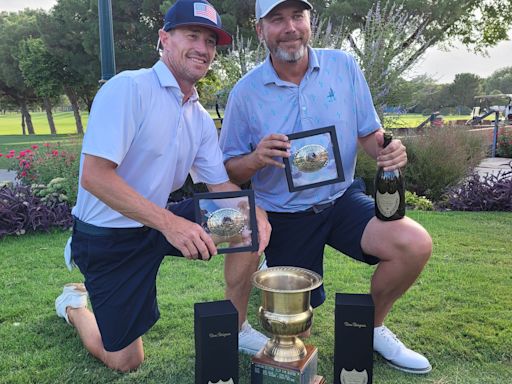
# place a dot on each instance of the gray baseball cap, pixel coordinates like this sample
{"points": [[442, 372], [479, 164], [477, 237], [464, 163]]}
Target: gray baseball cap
{"points": [[263, 7]]}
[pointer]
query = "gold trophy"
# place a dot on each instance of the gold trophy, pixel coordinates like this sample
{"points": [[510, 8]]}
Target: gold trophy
{"points": [[285, 312]]}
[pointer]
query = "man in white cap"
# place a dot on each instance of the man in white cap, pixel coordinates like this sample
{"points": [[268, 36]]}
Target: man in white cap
{"points": [[298, 89], [146, 132]]}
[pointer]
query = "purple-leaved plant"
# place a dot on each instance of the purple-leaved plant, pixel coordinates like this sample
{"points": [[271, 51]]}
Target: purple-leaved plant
{"points": [[492, 192], [21, 212]]}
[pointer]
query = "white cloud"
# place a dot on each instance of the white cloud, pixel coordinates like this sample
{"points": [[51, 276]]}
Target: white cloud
{"points": [[443, 66], [16, 5]]}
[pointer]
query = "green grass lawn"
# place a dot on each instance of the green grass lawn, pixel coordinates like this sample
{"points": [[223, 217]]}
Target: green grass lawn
{"points": [[10, 123], [11, 137], [411, 120], [459, 312]]}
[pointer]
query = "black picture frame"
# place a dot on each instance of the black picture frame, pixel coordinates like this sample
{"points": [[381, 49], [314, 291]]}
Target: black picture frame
{"points": [[206, 204], [330, 173]]}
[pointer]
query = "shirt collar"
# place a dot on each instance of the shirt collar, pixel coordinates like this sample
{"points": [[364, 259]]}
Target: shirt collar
{"points": [[270, 75], [167, 80]]}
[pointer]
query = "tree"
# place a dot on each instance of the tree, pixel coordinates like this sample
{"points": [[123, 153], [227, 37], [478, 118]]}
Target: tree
{"points": [[500, 80], [427, 96], [135, 24], [15, 27], [389, 43], [65, 32], [464, 88], [476, 23], [41, 70], [71, 32]]}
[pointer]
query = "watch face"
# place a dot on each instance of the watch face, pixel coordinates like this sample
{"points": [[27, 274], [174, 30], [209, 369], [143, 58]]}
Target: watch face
{"points": [[315, 159]]}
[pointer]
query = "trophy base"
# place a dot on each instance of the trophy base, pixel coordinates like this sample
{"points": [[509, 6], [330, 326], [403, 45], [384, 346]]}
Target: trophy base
{"points": [[264, 370]]}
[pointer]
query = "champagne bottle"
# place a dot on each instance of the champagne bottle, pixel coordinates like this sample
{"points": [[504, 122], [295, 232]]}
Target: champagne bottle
{"points": [[389, 191]]}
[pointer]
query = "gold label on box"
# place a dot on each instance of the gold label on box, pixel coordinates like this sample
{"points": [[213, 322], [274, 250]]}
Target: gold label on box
{"points": [[353, 377]]}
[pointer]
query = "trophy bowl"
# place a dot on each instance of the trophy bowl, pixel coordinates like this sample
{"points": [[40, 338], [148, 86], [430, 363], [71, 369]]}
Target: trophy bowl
{"points": [[285, 311]]}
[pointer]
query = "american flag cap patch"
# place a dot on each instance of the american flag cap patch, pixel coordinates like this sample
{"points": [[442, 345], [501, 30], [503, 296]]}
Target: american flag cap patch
{"points": [[206, 11]]}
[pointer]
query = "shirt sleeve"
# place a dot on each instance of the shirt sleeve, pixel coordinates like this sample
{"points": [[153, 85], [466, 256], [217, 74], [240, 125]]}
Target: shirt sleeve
{"points": [[113, 121], [235, 132], [366, 116], [208, 166]]}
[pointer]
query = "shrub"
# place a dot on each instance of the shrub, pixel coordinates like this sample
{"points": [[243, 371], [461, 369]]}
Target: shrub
{"points": [[492, 192], [421, 203], [51, 194], [441, 158], [448, 111], [21, 211], [40, 165], [366, 168], [504, 143]]}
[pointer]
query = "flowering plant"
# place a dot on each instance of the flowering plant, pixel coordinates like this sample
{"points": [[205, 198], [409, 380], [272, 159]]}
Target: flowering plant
{"points": [[42, 164]]}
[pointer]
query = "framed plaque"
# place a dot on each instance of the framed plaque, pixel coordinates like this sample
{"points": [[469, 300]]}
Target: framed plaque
{"points": [[229, 218], [315, 159]]}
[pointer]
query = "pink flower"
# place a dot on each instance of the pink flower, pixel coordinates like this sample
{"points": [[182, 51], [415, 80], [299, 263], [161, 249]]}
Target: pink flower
{"points": [[23, 174], [55, 152], [35, 146], [46, 144], [27, 166], [9, 156], [12, 151], [1, 154]]}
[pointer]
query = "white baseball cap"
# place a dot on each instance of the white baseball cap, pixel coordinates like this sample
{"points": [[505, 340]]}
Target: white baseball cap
{"points": [[263, 7]]}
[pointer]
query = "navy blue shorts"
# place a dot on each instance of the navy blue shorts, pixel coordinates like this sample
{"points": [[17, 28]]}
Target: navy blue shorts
{"points": [[298, 239], [120, 268]]}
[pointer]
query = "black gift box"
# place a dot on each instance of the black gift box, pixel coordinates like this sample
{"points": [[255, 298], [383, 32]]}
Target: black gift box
{"points": [[216, 340], [353, 348]]}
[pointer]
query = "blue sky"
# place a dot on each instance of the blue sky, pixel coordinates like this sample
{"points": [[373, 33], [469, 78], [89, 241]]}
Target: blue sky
{"points": [[441, 65]]}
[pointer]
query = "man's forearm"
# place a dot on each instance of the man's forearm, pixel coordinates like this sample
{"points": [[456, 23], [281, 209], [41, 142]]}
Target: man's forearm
{"points": [[228, 186], [241, 169], [100, 179]]}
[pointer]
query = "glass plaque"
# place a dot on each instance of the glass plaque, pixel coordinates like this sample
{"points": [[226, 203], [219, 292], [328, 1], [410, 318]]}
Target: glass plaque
{"points": [[315, 159], [229, 218]]}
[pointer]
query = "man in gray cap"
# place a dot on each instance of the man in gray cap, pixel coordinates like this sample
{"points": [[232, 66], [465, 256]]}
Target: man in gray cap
{"points": [[299, 89], [146, 132]]}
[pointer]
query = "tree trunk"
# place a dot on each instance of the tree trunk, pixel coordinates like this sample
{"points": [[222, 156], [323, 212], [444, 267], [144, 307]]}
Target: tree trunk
{"points": [[23, 131], [73, 99], [88, 101], [49, 115], [28, 118]]}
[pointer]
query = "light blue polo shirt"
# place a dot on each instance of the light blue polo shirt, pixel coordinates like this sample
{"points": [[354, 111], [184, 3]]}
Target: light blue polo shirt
{"points": [[333, 92], [139, 121]]}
